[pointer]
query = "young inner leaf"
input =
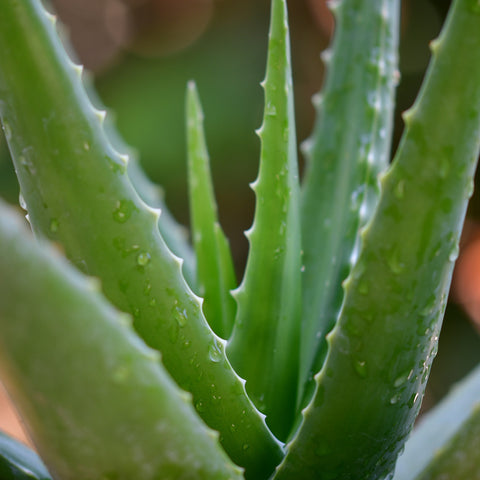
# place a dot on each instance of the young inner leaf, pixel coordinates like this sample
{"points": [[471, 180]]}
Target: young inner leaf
{"points": [[215, 272], [350, 145], [264, 344]]}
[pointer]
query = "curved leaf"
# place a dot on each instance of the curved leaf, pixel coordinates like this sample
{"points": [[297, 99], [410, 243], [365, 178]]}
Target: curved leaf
{"points": [[77, 193], [96, 401], [370, 388]]}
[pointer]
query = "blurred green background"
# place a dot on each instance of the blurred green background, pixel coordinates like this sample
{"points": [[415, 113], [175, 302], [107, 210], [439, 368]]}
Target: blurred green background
{"points": [[141, 53]]}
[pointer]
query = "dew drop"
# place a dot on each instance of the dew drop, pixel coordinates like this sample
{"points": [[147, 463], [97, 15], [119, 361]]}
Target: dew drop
{"points": [[214, 352], [360, 368], [279, 251], [394, 263], [246, 446], [123, 210], [21, 201], [453, 255], [143, 259], [270, 110], [86, 146], [27, 165], [395, 399], [443, 167], [54, 225], [180, 315], [399, 190], [429, 307], [469, 189], [115, 165], [7, 131], [199, 407], [401, 379]]}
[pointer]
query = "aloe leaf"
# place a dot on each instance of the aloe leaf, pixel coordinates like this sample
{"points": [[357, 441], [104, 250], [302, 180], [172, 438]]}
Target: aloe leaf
{"points": [[215, 271], [78, 194], [349, 146], [456, 416], [18, 462], [110, 410], [370, 388], [268, 318], [459, 459], [174, 234]]}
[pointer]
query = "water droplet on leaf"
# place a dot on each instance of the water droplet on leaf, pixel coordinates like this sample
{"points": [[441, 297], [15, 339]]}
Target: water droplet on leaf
{"points": [[123, 210], [143, 259], [395, 399], [270, 110], [7, 131], [399, 190], [214, 352], [401, 379], [180, 315], [54, 225], [394, 263], [360, 368], [453, 255]]}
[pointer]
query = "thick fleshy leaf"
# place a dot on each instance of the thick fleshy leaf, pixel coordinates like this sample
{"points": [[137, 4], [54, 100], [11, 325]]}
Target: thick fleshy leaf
{"points": [[18, 462], [370, 388], [215, 271], [109, 410], [268, 320], [434, 435], [78, 193], [349, 146]]}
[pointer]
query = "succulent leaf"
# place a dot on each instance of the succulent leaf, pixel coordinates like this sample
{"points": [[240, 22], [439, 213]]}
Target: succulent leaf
{"points": [[116, 413], [456, 416], [73, 181], [460, 458], [215, 271], [349, 146], [370, 388], [174, 234], [18, 462], [268, 318]]}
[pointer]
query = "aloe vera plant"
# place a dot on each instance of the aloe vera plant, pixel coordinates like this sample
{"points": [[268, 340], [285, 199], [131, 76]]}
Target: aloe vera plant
{"points": [[139, 356]]}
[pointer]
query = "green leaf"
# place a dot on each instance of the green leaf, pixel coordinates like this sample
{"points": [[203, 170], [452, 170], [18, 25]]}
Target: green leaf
{"points": [[370, 388], [460, 458], [215, 271], [268, 318], [78, 194], [349, 146], [18, 462], [453, 417], [174, 234], [110, 410]]}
